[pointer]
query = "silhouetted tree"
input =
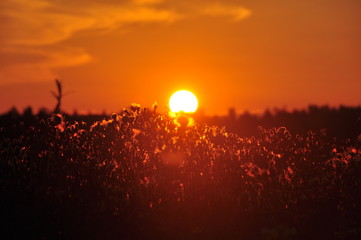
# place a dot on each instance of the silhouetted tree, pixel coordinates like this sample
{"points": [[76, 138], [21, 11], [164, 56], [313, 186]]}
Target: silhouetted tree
{"points": [[28, 112], [13, 113], [58, 96], [43, 113]]}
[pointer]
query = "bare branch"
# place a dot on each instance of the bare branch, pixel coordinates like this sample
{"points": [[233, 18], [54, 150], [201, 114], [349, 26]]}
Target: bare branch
{"points": [[54, 94]]}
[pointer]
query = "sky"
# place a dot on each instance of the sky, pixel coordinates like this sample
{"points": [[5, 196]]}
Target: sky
{"points": [[246, 54]]}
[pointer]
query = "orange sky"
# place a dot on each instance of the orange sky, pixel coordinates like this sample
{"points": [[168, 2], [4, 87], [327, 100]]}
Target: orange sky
{"points": [[250, 54]]}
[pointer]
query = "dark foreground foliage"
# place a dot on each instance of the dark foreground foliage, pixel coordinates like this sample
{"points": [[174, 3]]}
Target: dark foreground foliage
{"points": [[138, 175]]}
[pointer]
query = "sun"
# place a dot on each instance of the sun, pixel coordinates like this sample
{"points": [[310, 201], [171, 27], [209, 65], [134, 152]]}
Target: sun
{"points": [[183, 101]]}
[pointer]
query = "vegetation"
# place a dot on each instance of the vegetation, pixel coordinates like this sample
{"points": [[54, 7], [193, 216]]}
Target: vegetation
{"points": [[142, 175], [341, 122]]}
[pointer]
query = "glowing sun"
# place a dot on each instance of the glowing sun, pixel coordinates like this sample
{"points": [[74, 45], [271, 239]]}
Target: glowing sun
{"points": [[183, 101]]}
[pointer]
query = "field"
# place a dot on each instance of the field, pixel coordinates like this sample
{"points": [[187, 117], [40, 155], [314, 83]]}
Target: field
{"points": [[140, 174]]}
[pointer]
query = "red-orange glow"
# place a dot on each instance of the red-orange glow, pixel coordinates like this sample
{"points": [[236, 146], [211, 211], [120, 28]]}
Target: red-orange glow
{"points": [[250, 56]]}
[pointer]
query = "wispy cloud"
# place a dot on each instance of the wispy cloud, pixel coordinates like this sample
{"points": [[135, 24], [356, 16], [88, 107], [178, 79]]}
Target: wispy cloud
{"points": [[236, 13], [30, 26], [41, 66], [41, 28], [147, 1], [41, 22]]}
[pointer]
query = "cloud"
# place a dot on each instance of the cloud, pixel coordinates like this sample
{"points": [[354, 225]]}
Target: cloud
{"points": [[145, 2], [237, 13], [41, 67], [46, 22], [41, 28], [38, 27], [41, 22]]}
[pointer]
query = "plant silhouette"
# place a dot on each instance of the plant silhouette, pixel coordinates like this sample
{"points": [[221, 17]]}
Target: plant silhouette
{"points": [[59, 95], [139, 175]]}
